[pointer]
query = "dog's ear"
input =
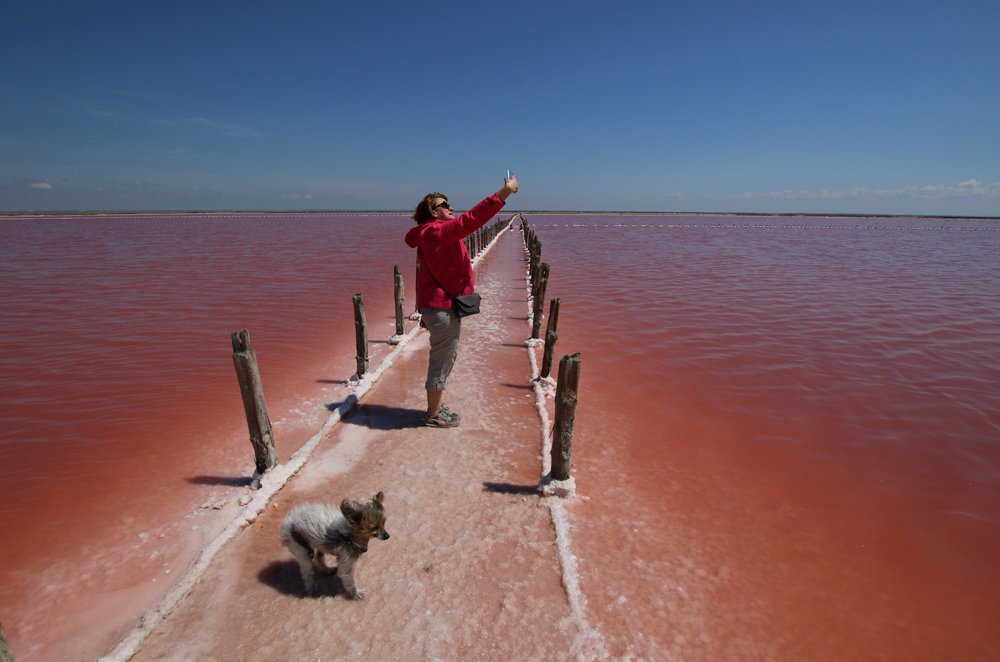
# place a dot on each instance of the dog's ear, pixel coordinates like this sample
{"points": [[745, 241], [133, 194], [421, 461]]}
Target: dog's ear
{"points": [[378, 498], [350, 510]]}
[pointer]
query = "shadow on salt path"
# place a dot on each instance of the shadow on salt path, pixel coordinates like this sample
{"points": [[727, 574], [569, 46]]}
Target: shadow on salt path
{"points": [[509, 488], [226, 481], [284, 577], [523, 387], [381, 417]]}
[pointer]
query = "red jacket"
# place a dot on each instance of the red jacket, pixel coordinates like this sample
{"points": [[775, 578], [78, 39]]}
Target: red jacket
{"points": [[440, 251]]}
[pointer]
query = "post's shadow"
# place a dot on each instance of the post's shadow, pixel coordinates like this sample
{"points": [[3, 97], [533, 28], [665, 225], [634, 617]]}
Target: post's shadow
{"points": [[284, 577], [523, 387], [382, 417], [228, 481], [509, 488]]}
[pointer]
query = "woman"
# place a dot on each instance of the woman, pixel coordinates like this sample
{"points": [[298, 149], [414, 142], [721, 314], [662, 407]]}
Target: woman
{"points": [[446, 272]]}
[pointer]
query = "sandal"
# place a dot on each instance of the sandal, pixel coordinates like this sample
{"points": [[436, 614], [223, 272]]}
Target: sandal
{"points": [[445, 418]]}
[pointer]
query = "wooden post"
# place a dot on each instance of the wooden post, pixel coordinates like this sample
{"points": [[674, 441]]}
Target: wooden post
{"points": [[360, 337], [551, 335], [566, 395], [5, 653], [397, 278], [258, 422], [539, 303], [534, 259], [535, 263]]}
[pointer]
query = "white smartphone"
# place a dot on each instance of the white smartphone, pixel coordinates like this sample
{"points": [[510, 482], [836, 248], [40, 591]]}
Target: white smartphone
{"points": [[508, 173]]}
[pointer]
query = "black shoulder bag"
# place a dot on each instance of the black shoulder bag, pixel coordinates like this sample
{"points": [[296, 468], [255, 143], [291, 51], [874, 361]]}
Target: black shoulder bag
{"points": [[464, 305]]}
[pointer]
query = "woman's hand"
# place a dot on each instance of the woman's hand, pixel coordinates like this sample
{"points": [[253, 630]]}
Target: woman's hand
{"points": [[509, 186]]}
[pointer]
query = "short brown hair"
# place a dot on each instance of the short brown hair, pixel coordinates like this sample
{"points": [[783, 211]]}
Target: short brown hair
{"points": [[424, 212]]}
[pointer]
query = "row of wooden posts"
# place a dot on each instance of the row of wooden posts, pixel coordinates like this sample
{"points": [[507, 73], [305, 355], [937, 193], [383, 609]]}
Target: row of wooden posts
{"points": [[248, 371], [568, 383]]}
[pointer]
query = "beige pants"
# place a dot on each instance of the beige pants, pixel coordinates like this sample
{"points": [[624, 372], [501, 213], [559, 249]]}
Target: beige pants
{"points": [[445, 327]]}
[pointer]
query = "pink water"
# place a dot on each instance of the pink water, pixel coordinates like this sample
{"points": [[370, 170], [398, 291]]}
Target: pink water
{"points": [[120, 409], [789, 431], [788, 438]]}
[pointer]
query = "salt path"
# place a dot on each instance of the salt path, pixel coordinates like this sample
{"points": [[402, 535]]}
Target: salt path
{"points": [[474, 568]]}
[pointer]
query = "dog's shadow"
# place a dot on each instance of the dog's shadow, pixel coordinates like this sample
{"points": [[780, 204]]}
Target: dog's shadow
{"points": [[284, 577]]}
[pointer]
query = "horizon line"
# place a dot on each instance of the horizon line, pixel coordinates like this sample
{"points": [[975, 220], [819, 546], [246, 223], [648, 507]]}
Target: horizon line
{"points": [[140, 212]]}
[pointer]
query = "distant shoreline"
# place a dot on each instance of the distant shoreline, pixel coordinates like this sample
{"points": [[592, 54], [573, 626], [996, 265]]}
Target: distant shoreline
{"points": [[317, 212]]}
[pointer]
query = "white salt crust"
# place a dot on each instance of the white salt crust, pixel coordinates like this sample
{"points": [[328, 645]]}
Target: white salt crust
{"points": [[589, 641]]}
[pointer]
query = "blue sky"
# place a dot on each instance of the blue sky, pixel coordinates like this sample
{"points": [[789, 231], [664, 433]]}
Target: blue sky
{"points": [[783, 106]]}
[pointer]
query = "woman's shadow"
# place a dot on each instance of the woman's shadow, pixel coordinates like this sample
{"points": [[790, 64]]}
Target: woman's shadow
{"points": [[382, 417]]}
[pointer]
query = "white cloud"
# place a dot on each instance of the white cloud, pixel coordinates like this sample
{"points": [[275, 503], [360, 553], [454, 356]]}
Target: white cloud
{"points": [[41, 186]]}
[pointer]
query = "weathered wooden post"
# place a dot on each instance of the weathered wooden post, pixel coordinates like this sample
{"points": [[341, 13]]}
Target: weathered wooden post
{"points": [[551, 335], [536, 263], [566, 395], [534, 259], [539, 302], [397, 279], [360, 337], [5, 653], [258, 422], [530, 239]]}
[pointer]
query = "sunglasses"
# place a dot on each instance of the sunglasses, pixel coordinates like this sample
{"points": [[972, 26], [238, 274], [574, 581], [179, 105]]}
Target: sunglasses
{"points": [[442, 204]]}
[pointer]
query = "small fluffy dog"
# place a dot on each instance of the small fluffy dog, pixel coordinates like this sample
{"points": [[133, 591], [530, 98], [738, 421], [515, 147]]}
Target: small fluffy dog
{"points": [[313, 530]]}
